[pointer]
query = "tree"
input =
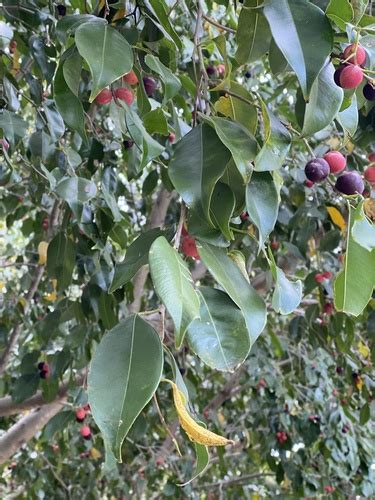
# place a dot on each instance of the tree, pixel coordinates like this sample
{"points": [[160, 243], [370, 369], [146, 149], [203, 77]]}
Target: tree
{"points": [[187, 248]]}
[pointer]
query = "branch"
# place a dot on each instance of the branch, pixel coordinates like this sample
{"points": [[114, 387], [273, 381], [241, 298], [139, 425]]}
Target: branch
{"points": [[16, 332], [25, 429], [218, 25], [237, 480], [157, 218]]}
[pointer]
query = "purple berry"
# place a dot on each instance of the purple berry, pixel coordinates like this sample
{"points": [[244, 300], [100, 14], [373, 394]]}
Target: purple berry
{"points": [[350, 183], [369, 92], [128, 144], [317, 170], [61, 9], [211, 70], [337, 74], [150, 85]]}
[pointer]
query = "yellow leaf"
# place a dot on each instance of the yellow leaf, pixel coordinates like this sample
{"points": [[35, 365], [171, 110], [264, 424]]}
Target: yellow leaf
{"points": [[196, 432], [337, 218], [51, 297], [95, 454], [42, 250], [358, 382], [363, 350], [119, 15]]}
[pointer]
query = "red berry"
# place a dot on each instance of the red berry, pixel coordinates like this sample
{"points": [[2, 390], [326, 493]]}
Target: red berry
{"points": [[309, 184], [327, 275], [189, 247], [275, 245], [80, 415], [351, 77], [355, 54], [12, 46], [85, 432], [244, 216], [221, 69], [44, 374], [370, 174], [159, 461], [350, 183], [45, 223], [329, 489], [104, 97], [171, 137], [130, 78], [87, 408], [317, 170], [328, 308], [319, 278], [4, 143], [371, 157], [336, 161], [206, 413], [262, 383], [124, 94]]}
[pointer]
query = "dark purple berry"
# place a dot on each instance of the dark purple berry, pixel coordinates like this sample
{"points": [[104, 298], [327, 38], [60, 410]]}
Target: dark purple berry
{"points": [[317, 170], [128, 144], [149, 85], [61, 9], [369, 92], [44, 374], [337, 74], [248, 74], [339, 370], [41, 365], [211, 70], [350, 183]]}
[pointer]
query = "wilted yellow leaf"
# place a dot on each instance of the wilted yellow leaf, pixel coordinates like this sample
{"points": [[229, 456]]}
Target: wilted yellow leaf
{"points": [[363, 350], [42, 251], [196, 432], [95, 454], [337, 218]]}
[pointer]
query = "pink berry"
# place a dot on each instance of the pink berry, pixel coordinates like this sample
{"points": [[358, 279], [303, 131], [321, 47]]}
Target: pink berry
{"points": [[327, 275], [80, 415], [355, 54], [319, 278], [351, 77], [171, 137], [336, 161], [328, 308], [371, 157], [85, 432], [104, 97], [370, 174], [124, 94], [130, 78], [221, 69]]}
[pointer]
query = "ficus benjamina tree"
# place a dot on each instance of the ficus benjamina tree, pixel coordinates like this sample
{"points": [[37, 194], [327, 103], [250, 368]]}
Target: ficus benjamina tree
{"points": [[187, 253]]}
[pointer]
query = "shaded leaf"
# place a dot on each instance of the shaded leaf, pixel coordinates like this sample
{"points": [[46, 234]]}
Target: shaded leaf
{"points": [[222, 206], [171, 83]]}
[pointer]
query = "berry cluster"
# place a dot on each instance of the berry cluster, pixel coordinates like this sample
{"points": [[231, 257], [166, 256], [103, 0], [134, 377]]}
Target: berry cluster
{"points": [[81, 414], [44, 371], [321, 277], [349, 75], [281, 437], [333, 162]]}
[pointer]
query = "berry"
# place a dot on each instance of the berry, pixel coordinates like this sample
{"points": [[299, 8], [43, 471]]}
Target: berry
{"points": [[319, 278], [44, 374], [221, 69], [85, 432], [262, 383], [80, 415], [314, 419], [244, 216], [12, 46], [248, 74], [337, 74], [159, 461], [345, 429], [171, 137], [327, 275], [61, 9], [4, 144], [275, 245], [317, 170], [211, 70], [281, 437], [371, 157], [355, 54], [104, 97], [351, 77], [329, 489], [328, 308], [42, 365], [336, 161], [309, 184], [130, 78], [128, 144], [189, 247], [350, 183], [370, 174], [87, 407], [149, 85], [369, 92], [124, 94], [339, 370], [45, 223]]}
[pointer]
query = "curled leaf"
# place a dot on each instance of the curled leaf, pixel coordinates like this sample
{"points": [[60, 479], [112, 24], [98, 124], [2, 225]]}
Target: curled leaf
{"points": [[337, 218], [42, 251], [196, 432]]}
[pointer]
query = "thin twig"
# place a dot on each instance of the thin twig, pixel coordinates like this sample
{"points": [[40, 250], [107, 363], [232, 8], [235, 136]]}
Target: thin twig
{"points": [[218, 25]]}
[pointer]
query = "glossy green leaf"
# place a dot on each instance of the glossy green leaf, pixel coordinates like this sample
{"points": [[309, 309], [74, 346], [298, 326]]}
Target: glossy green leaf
{"points": [[69, 106], [107, 53], [72, 69], [14, 126], [236, 108], [253, 33], [155, 122], [199, 228], [262, 203], [198, 162], [324, 103], [234, 180], [68, 24], [159, 9], [363, 231], [359, 8], [172, 84], [173, 284], [61, 255], [340, 12], [222, 206], [355, 283], [220, 337], [240, 142], [230, 277], [203, 461], [276, 143], [76, 189], [287, 294], [348, 118], [129, 361], [277, 61], [136, 257], [303, 34]]}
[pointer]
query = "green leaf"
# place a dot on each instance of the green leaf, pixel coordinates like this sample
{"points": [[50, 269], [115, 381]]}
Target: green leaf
{"points": [[234, 180], [240, 111], [364, 415], [129, 361], [61, 255], [363, 231], [203, 460], [68, 24], [220, 336], [155, 122], [198, 163], [324, 103], [348, 119], [172, 84], [76, 189], [159, 9], [262, 203], [240, 142], [303, 34], [355, 283], [14, 126], [222, 206], [287, 294], [199, 227], [276, 143], [68, 105], [340, 12], [277, 61], [107, 53], [359, 8], [253, 33], [230, 277], [136, 257], [173, 284], [72, 69]]}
